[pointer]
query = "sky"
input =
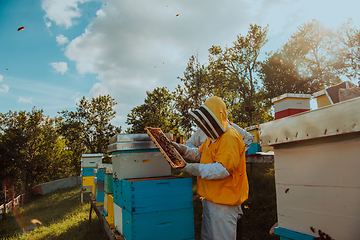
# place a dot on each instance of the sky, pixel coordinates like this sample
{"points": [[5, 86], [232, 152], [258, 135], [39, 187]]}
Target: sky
{"points": [[74, 48]]}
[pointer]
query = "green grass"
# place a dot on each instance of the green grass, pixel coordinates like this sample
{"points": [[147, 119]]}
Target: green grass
{"points": [[62, 217]]}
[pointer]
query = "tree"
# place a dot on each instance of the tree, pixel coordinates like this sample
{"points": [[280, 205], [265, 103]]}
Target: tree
{"points": [[305, 64], [32, 150], [196, 90], [157, 111], [348, 61], [280, 76], [234, 76], [89, 128]]}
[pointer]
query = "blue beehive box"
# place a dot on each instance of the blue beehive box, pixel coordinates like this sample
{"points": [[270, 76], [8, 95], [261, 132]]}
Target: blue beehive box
{"points": [[100, 175], [254, 148], [117, 193], [157, 208], [100, 196], [87, 171]]}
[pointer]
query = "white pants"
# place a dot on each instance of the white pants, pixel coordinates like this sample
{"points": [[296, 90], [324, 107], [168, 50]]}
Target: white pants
{"points": [[219, 221]]}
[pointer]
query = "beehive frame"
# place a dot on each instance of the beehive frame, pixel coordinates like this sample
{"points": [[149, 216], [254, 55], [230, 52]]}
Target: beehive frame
{"points": [[170, 153]]}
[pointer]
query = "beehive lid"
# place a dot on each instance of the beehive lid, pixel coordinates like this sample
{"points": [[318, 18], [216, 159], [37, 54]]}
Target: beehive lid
{"points": [[337, 119], [103, 165], [92, 155], [291, 96], [139, 137]]}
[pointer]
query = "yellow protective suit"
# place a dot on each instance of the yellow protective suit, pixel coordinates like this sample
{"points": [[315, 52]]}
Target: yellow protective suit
{"points": [[229, 150]]}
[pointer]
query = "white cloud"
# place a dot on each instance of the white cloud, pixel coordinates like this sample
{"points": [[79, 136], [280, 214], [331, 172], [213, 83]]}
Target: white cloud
{"points": [[4, 88], [61, 39], [100, 13], [60, 67], [48, 24], [134, 49], [62, 12], [25, 100]]}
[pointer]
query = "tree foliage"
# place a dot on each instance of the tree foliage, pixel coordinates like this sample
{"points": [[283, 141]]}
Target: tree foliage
{"points": [[157, 111], [348, 61], [231, 74], [197, 88], [237, 69], [32, 151], [89, 128], [305, 64]]}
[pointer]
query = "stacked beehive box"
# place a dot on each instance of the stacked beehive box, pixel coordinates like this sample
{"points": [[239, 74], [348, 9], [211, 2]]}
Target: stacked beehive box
{"points": [[157, 208], [330, 95], [88, 164], [108, 196], [100, 181], [317, 171], [148, 204], [255, 146]]}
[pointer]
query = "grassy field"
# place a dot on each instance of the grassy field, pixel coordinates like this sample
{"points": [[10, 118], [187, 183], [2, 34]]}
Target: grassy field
{"points": [[62, 218]]}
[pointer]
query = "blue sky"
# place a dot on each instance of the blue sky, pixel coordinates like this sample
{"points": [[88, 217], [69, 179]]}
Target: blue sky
{"points": [[70, 48]]}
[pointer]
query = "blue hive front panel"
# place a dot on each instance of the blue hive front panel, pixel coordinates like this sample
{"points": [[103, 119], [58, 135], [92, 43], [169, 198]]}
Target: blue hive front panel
{"points": [[164, 225], [87, 171], [100, 196], [156, 194], [117, 192], [100, 175]]}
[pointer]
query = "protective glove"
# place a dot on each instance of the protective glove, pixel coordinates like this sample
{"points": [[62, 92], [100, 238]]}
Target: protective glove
{"points": [[192, 168], [181, 148]]}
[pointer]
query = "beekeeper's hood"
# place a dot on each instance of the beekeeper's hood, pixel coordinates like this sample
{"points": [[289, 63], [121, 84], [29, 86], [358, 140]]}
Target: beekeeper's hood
{"points": [[211, 117]]}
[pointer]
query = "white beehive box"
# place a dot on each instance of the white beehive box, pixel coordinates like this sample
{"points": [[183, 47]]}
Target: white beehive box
{"points": [[140, 164], [136, 156], [118, 218], [90, 160], [290, 103], [317, 165]]}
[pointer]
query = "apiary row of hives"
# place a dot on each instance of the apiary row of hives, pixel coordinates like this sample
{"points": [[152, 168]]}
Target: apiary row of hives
{"points": [[137, 193]]}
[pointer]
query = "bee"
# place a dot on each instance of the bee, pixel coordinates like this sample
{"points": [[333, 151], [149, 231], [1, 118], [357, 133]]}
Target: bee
{"points": [[323, 236]]}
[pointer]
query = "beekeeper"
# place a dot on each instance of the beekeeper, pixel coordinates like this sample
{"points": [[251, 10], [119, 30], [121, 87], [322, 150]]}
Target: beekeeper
{"points": [[222, 179]]}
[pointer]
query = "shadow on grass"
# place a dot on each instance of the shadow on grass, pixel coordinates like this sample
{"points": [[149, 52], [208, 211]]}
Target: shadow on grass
{"points": [[82, 230]]}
